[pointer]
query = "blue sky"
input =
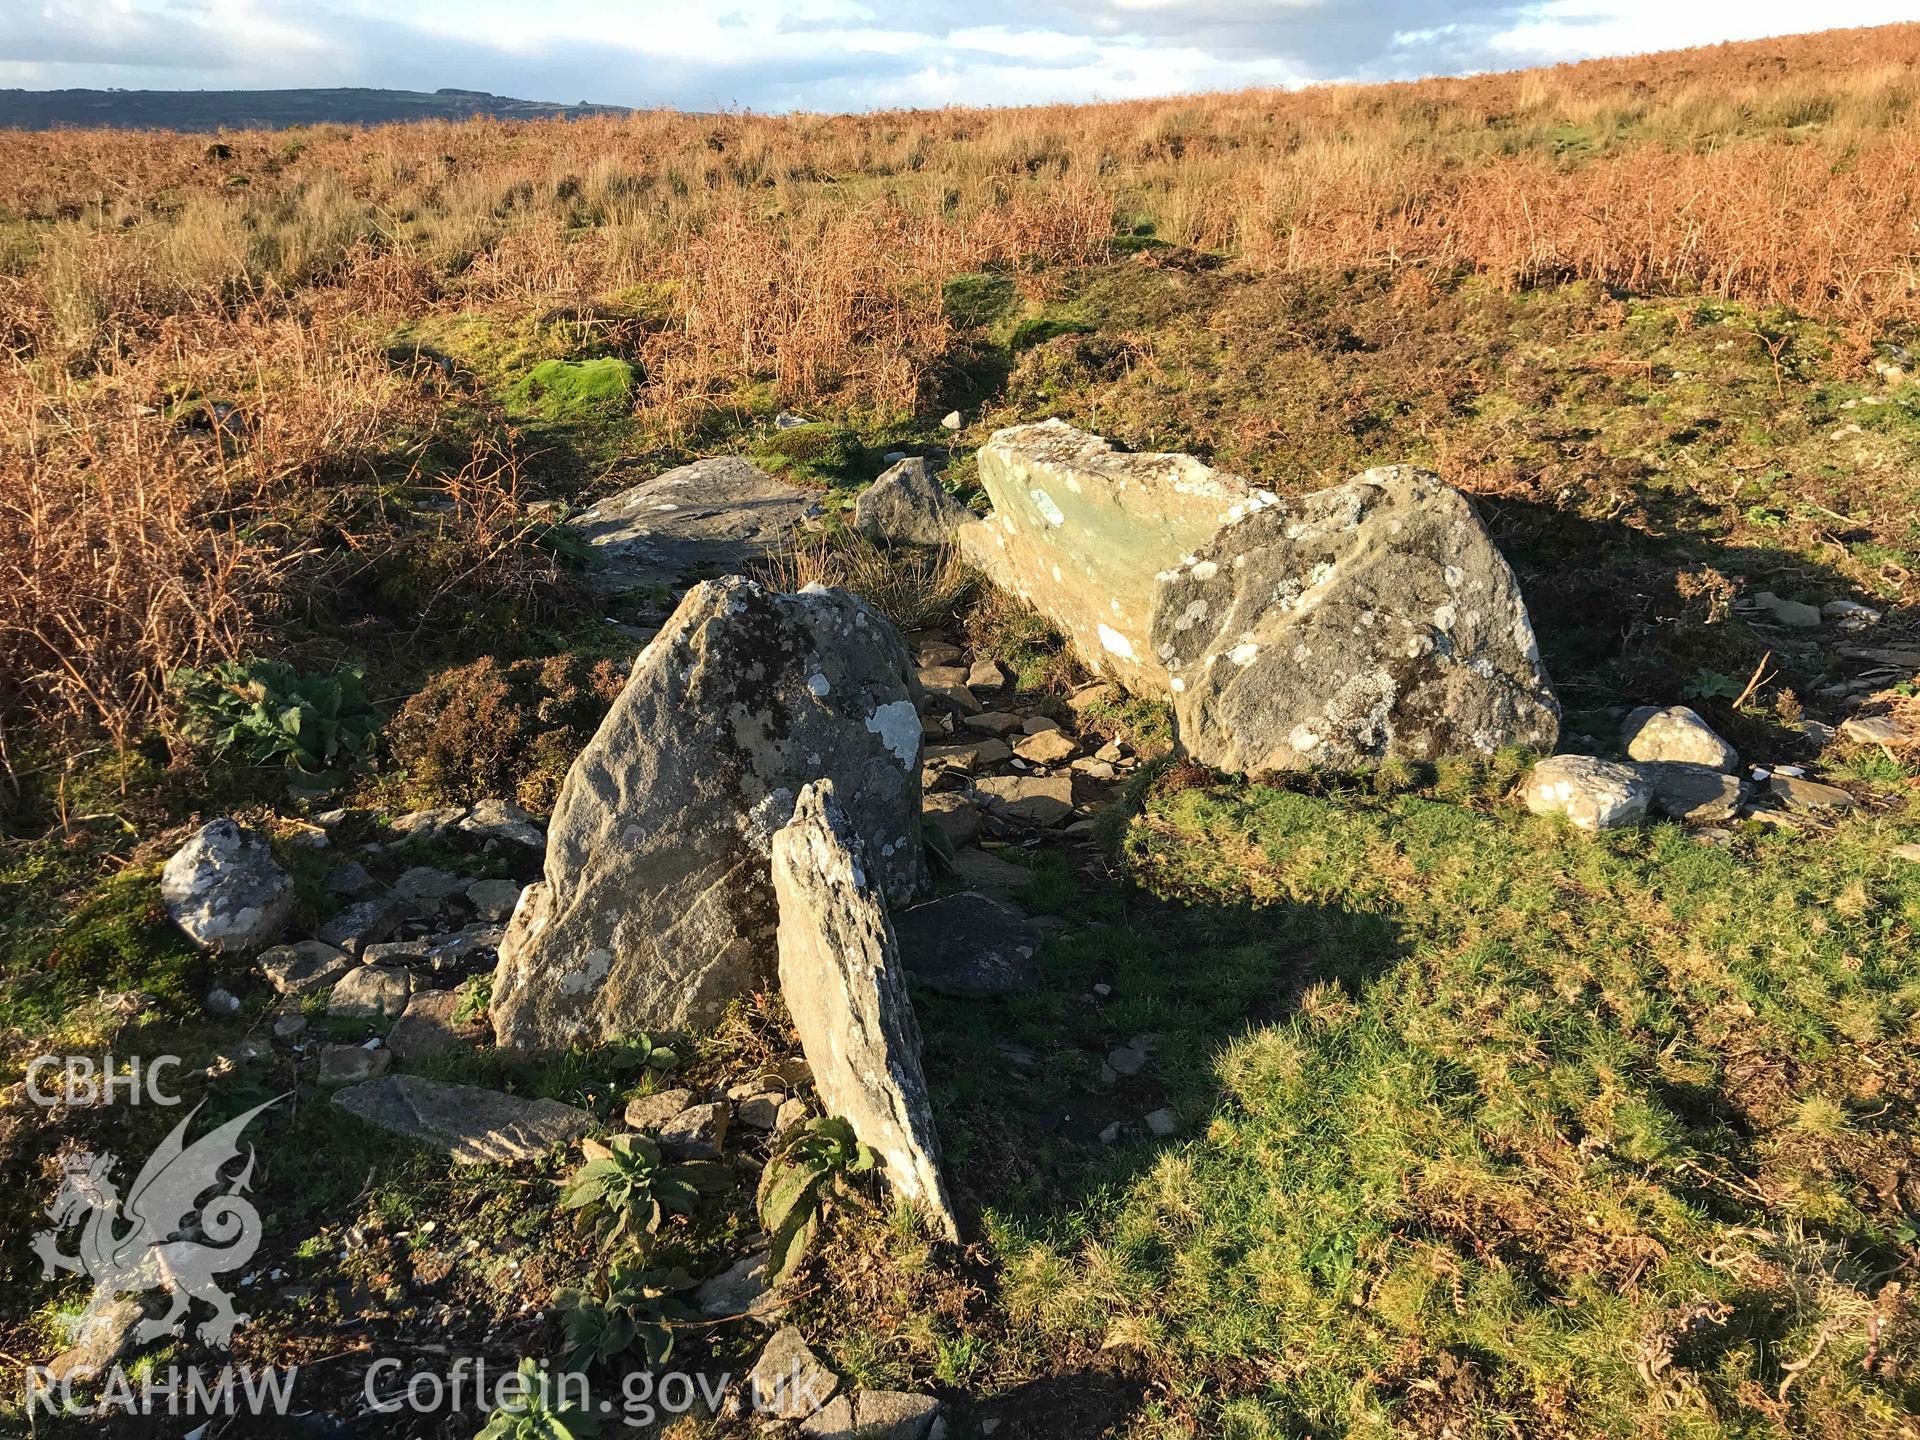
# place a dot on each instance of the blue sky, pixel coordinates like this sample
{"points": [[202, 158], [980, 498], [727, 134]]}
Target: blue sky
{"points": [[845, 54]]}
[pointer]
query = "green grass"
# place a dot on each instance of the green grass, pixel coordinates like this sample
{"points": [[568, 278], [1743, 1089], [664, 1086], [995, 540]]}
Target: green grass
{"points": [[575, 390], [1486, 1123]]}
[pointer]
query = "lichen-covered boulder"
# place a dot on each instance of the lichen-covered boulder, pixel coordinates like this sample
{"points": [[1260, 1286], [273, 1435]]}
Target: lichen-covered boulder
{"points": [[908, 506], [846, 989], [1676, 733], [1593, 794], [225, 889], [657, 906], [1371, 621], [1083, 532]]}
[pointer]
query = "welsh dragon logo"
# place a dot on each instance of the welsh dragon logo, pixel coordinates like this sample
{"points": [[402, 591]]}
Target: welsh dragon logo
{"points": [[169, 1231]]}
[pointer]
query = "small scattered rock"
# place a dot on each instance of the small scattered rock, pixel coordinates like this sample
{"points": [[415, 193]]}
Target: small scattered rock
{"points": [[1126, 1060], [224, 889], [427, 824], [792, 1112], [741, 1289], [650, 1113], [1676, 733], [1049, 747], [957, 817], [373, 992], [1876, 730], [1039, 724], [503, 820], [1093, 769], [951, 420], [1791, 613], [874, 1415], [303, 966], [493, 899], [361, 925], [1163, 1122], [1908, 852], [697, 1133], [907, 505], [937, 652], [222, 1002], [290, 1026], [986, 674], [969, 755], [426, 886], [1094, 696], [352, 1064], [1850, 615], [992, 722], [788, 1381], [762, 1112], [97, 1339], [1592, 794]]}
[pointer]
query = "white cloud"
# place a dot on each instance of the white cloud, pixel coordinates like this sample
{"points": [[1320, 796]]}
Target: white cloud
{"points": [[846, 54]]}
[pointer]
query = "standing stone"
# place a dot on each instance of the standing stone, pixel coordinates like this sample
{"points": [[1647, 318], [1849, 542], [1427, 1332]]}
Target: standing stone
{"points": [[225, 890], [844, 985], [1592, 794], [1371, 621], [1676, 733], [908, 506], [657, 907], [1082, 532]]}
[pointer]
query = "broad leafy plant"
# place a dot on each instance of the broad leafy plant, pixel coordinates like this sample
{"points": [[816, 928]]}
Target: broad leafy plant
{"points": [[268, 712], [630, 1306], [811, 1168], [534, 1416], [626, 1190]]}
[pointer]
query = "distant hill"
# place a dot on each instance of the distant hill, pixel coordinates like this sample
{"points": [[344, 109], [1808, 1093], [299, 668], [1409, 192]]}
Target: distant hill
{"points": [[264, 109]]}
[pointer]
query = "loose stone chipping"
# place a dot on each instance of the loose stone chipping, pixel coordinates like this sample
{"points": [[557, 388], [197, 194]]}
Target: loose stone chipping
{"points": [[1374, 620], [1081, 532], [845, 987], [657, 906]]}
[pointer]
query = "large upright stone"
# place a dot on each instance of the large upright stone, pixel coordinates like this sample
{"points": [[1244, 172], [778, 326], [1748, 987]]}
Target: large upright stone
{"points": [[844, 985], [657, 907], [712, 517], [1082, 532], [1374, 620]]}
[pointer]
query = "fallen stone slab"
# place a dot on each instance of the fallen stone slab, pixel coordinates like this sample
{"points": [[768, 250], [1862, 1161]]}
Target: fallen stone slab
{"points": [[978, 870], [845, 988], [1593, 794], [957, 817], [473, 1125], [1692, 794], [1082, 531], [1808, 796], [350, 1064], [502, 820], [743, 1288], [224, 889], [713, 517], [968, 945], [874, 1415], [1371, 621], [657, 909]]}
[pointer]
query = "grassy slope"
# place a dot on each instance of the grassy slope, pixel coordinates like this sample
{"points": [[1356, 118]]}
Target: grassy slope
{"points": [[1486, 1126]]}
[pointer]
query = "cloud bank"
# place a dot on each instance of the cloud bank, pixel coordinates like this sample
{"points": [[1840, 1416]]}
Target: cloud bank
{"points": [[845, 54]]}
